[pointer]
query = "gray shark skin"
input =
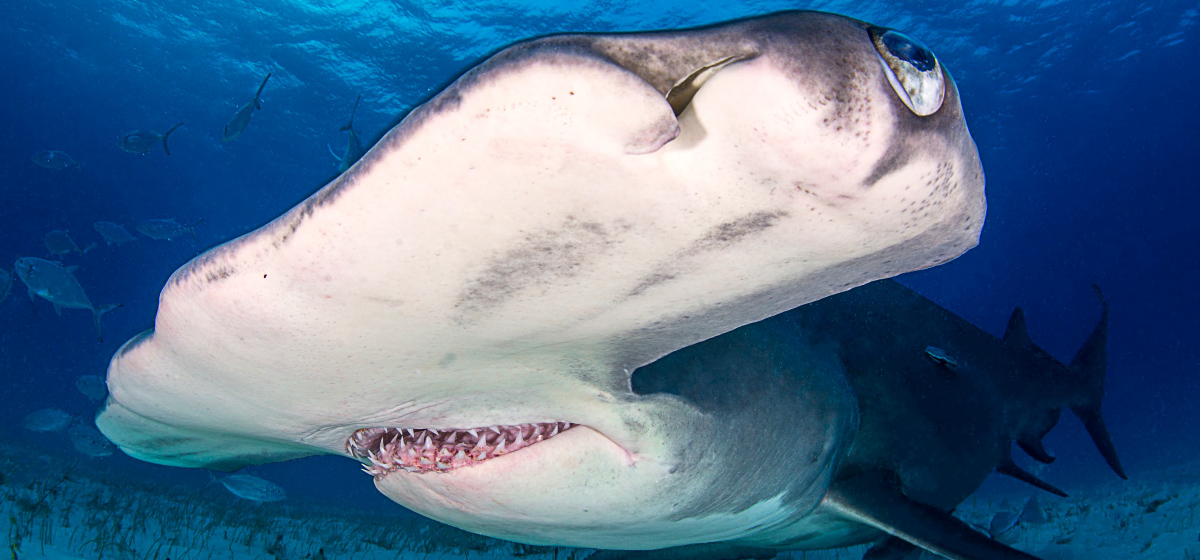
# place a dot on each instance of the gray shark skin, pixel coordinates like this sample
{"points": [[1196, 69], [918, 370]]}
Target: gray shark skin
{"points": [[461, 310], [142, 141], [354, 146], [241, 118], [928, 427]]}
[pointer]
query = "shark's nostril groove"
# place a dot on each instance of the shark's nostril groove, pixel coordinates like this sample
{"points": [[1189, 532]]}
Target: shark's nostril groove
{"points": [[386, 450]]}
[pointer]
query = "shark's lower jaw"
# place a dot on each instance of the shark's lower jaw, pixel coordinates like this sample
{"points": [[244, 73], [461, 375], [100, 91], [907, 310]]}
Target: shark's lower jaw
{"points": [[425, 450]]}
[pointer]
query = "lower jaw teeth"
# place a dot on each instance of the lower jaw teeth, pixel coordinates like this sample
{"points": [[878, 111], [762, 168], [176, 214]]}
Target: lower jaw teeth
{"points": [[386, 450]]}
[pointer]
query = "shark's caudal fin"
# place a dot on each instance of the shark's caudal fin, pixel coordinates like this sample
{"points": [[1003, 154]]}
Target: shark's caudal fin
{"points": [[100, 311], [868, 498], [1090, 367], [258, 105], [1084, 393], [165, 147], [350, 124]]}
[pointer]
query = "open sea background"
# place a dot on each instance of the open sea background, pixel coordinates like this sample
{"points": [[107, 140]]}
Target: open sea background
{"points": [[1085, 114]]}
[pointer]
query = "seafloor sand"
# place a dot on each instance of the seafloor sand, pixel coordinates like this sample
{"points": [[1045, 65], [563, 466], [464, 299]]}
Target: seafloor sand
{"points": [[73, 514]]}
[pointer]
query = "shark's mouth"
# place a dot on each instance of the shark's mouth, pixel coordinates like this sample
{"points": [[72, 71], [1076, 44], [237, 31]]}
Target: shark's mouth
{"points": [[387, 450]]}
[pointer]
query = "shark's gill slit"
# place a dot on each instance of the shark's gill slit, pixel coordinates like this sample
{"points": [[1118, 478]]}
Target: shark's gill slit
{"points": [[386, 450]]}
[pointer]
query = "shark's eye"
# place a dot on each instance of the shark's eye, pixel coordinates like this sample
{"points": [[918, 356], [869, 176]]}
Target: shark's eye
{"points": [[912, 70]]}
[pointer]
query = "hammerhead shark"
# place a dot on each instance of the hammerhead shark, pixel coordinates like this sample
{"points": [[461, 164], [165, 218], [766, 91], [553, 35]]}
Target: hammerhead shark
{"points": [[461, 311]]}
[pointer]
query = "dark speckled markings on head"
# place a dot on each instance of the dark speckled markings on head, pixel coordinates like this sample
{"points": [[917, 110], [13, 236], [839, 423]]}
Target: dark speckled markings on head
{"points": [[571, 209]]}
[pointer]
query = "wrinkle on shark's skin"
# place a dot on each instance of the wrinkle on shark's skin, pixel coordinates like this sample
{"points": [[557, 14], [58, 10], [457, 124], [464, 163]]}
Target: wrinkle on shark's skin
{"points": [[569, 210]]}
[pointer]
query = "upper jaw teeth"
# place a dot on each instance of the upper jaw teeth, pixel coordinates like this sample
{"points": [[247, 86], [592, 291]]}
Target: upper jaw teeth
{"points": [[422, 450]]}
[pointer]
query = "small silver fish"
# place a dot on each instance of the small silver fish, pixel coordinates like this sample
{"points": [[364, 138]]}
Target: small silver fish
{"points": [[89, 441], [92, 386], [167, 229], [252, 488], [46, 420], [113, 234], [142, 141], [59, 243], [241, 118], [54, 159], [54, 283], [354, 146]]}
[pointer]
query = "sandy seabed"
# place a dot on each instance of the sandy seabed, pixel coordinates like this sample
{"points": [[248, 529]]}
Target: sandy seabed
{"points": [[70, 513]]}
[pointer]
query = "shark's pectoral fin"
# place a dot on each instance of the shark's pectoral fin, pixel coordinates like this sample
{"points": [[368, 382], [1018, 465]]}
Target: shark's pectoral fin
{"points": [[868, 498], [707, 551], [57, 309]]}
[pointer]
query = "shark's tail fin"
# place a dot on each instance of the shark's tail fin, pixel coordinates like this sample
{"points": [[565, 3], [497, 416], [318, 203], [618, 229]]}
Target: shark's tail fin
{"points": [[99, 312], [258, 105], [1090, 366], [350, 124], [165, 147], [192, 228]]}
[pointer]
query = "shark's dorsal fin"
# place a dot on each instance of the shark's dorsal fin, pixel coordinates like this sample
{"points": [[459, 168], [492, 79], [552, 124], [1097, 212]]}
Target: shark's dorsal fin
{"points": [[1017, 332], [868, 498]]}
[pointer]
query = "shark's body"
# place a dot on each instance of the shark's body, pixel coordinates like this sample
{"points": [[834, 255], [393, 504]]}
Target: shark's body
{"points": [[241, 118], [931, 403], [462, 309]]}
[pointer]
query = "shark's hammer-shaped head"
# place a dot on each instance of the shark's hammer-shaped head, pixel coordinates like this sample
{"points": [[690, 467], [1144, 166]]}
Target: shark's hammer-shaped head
{"points": [[463, 309]]}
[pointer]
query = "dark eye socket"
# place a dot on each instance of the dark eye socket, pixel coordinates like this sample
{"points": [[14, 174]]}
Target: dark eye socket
{"points": [[909, 50]]}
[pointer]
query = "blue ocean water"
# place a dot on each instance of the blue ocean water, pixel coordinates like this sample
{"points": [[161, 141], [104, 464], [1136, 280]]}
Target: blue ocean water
{"points": [[1085, 115]]}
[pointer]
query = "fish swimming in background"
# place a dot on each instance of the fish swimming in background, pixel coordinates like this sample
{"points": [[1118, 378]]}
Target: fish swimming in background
{"points": [[89, 441], [54, 283], [253, 488], [142, 141], [92, 386], [113, 234], [238, 123], [59, 243], [5, 283], [54, 159], [167, 229], [354, 147], [46, 420]]}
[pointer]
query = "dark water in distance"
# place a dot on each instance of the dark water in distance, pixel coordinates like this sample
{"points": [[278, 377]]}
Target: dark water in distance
{"points": [[1085, 115]]}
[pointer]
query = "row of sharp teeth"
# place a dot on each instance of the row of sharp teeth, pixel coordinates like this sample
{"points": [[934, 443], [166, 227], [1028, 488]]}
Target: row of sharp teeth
{"points": [[386, 450]]}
